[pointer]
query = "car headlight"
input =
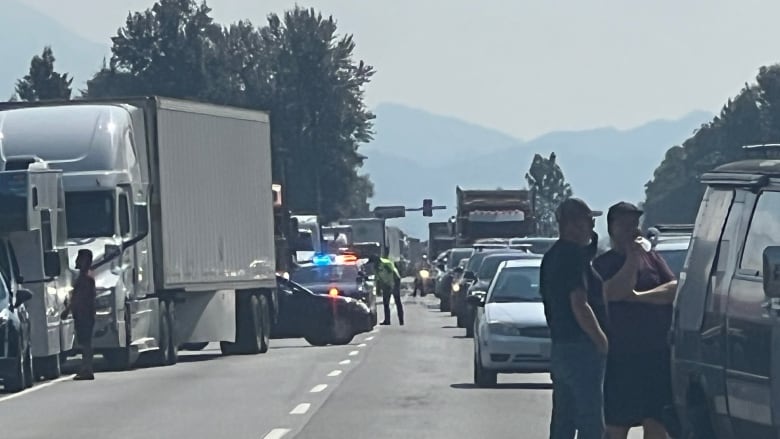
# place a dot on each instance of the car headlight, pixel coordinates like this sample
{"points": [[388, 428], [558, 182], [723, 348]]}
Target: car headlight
{"points": [[424, 274], [455, 287], [503, 329]]}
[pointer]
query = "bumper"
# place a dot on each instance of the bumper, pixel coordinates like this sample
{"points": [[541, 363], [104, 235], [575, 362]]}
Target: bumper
{"points": [[510, 354]]}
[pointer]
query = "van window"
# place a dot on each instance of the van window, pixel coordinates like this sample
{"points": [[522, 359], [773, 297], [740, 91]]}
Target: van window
{"points": [[764, 231]]}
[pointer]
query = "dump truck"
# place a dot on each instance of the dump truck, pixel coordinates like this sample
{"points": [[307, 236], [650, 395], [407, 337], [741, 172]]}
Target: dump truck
{"points": [[495, 213]]}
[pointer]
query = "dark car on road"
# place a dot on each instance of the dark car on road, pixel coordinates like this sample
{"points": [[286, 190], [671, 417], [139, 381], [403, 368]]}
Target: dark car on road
{"points": [[447, 266], [16, 368], [337, 275], [320, 319]]}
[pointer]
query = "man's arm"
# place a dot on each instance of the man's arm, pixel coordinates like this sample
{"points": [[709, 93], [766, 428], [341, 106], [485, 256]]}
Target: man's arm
{"points": [[586, 318], [663, 294], [620, 286]]}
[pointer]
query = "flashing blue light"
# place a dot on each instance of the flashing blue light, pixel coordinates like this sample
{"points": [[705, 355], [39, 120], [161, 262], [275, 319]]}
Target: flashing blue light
{"points": [[321, 260]]}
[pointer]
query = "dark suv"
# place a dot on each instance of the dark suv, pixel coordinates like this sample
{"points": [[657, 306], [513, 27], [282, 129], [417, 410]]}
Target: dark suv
{"points": [[726, 329]]}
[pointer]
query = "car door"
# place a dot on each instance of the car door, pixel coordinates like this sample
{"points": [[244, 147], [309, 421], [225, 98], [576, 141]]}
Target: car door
{"points": [[753, 329]]}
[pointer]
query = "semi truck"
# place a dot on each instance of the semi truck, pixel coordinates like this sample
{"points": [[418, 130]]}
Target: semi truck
{"points": [[32, 256], [493, 214], [366, 231], [166, 194], [309, 240]]}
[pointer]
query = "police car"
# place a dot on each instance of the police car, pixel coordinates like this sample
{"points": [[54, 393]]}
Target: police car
{"points": [[337, 275]]}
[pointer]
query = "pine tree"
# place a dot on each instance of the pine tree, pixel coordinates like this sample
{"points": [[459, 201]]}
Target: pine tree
{"points": [[43, 82], [545, 178]]}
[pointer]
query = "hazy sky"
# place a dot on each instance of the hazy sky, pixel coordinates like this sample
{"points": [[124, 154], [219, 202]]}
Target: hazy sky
{"points": [[526, 66]]}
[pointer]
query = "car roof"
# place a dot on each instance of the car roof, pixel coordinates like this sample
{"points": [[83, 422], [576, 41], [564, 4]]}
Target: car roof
{"points": [[529, 262], [518, 253]]}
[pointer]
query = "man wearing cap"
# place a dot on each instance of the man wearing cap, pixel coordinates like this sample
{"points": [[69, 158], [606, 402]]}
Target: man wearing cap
{"points": [[639, 287], [576, 314]]}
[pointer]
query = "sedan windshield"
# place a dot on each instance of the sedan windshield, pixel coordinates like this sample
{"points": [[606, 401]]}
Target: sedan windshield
{"points": [[675, 259], [90, 214], [516, 284], [325, 274], [490, 265]]}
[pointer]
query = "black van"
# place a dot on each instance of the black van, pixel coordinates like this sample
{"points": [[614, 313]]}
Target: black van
{"points": [[726, 330]]}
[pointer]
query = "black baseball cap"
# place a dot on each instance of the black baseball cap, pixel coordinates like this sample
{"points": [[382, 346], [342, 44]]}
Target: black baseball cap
{"points": [[623, 208], [571, 208]]}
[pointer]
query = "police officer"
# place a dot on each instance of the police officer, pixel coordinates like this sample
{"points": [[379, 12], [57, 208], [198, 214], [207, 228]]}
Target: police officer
{"points": [[389, 282]]}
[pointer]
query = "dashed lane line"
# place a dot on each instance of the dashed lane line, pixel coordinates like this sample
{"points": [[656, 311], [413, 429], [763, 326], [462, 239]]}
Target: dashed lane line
{"points": [[345, 362], [277, 433], [301, 409], [362, 345], [369, 338], [318, 388], [353, 353], [335, 373]]}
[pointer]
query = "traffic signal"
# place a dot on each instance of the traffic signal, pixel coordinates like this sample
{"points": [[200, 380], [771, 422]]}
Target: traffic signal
{"points": [[427, 207]]}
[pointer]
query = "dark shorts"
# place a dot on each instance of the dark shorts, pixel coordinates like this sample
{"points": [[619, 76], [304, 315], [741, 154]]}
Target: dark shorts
{"points": [[637, 387], [84, 328]]}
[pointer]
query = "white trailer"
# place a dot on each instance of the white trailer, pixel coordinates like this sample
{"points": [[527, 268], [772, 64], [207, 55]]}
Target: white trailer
{"points": [[168, 196]]}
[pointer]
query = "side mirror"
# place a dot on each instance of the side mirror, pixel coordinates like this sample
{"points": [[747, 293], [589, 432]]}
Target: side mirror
{"points": [[475, 300], [112, 251], [469, 275], [772, 271], [142, 219], [51, 263], [22, 296]]}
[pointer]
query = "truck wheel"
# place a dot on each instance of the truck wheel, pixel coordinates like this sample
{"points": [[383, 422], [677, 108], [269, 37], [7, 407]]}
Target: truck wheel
{"points": [[160, 356], [16, 380], [265, 324], [247, 324], [469, 329], [118, 359], [173, 347], [29, 377], [48, 367]]}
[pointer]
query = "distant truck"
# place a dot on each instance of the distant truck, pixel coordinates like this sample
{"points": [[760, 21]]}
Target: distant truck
{"points": [[309, 240], [172, 198], [440, 239], [368, 230], [493, 214], [32, 258]]}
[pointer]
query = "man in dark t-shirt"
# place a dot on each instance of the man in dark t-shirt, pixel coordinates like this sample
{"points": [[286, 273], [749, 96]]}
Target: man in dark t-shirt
{"points": [[576, 314]]}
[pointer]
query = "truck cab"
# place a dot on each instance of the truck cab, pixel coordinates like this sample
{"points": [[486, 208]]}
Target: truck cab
{"points": [[726, 325], [34, 292]]}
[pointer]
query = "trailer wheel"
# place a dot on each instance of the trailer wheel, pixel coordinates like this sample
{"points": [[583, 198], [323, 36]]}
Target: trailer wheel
{"points": [[264, 327], [48, 367]]}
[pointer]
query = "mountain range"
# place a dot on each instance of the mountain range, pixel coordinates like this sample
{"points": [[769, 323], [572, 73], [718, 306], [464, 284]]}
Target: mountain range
{"points": [[415, 154]]}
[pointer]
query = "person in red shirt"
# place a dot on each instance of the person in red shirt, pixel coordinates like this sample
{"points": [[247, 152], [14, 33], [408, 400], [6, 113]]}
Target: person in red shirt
{"points": [[82, 305]]}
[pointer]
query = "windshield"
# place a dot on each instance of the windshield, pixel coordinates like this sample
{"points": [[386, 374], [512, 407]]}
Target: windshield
{"points": [[13, 201], [490, 265], [675, 259], [90, 214], [475, 261], [516, 284], [457, 255], [305, 241], [325, 274]]}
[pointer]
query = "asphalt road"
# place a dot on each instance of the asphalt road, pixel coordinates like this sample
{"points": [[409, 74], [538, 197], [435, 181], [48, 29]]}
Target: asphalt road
{"points": [[413, 381]]}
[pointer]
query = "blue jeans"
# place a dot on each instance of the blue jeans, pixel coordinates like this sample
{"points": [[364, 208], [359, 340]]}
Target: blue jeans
{"points": [[577, 371]]}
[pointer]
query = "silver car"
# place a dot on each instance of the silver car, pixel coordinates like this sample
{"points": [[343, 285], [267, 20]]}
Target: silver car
{"points": [[511, 333]]}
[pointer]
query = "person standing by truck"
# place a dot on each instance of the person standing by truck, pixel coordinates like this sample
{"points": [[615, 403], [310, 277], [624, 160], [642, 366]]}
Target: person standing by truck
{"points": [[388, 281], [82, 305]]}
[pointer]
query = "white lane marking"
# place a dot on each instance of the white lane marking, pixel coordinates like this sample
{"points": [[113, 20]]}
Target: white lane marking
{"points": [[277, 433], [37, 388], [318, 388], [353, 353], [345, 362], [335, 373], [301, 409], [369, 338], [362, 345]]}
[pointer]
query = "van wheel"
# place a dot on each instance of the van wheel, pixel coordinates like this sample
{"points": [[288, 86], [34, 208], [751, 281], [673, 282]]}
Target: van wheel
{"points": [[48, 367], [248, 328], [699, 423]]}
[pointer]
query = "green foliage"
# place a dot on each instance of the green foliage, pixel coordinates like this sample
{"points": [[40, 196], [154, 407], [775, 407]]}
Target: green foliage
{"points": [[550, 188], [296, 66], [752, 117], [43, 82]]}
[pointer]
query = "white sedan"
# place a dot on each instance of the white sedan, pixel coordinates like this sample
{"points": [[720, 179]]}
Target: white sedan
{"points": [[510, 330]]}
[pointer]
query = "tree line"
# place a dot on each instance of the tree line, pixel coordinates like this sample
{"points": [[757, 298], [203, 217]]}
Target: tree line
{"points": [[296, 66]]}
